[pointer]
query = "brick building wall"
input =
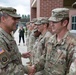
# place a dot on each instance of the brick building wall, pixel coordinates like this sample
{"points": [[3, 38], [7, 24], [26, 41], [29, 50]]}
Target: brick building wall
{"points": [[47, 5], [33, 13]]}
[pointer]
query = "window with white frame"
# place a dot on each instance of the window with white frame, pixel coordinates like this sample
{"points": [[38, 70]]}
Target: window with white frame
{"points": [[74, 22]]}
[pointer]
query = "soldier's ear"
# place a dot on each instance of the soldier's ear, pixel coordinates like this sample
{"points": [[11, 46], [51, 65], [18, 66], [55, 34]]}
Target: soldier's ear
{"points": [[3, 19], [65, 22], [45, 25]]}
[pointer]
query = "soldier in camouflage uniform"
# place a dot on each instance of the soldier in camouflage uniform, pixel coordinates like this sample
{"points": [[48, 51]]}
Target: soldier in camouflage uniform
{"points": [[39, 47], [10, 57], [28, 33], [29, 28], [26, 28], [36, 35], [32, 39], [61, 47], [42, 26]]}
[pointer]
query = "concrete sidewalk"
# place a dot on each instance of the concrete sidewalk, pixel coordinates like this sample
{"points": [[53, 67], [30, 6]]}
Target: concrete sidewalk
{"points": [[22, 48]]}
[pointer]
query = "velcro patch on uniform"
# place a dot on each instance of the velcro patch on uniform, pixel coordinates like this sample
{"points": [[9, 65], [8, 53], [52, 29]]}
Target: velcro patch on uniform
{"points": [[1, 51]]}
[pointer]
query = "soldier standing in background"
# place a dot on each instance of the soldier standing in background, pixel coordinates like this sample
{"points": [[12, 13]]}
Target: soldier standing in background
{"points": [[32, 38], [36, 35], [28, 33], [21, 35], [27, 28]]}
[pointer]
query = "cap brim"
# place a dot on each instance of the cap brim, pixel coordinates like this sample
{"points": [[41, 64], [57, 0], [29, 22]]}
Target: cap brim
{"points": [[31, 21], [54, 19], [37, 23], [15, 16]]}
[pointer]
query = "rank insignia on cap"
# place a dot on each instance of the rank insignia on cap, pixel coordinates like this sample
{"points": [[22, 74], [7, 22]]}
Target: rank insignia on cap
{"points": [[1, 51]]}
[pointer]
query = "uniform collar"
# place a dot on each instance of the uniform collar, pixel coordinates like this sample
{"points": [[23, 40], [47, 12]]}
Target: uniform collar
{"points": [[44, 33], [63, 40], [10, 37]]}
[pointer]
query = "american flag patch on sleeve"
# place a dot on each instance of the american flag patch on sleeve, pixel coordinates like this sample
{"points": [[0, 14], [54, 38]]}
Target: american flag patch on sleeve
{"points": [[1, 50]]}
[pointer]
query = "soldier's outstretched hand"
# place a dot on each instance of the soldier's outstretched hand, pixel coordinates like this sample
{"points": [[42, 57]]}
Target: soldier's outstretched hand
{"points": [[26, 55]]}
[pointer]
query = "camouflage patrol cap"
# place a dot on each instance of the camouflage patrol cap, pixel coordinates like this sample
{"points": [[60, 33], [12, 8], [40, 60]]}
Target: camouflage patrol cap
{"points": [[27, 23], [45, 21], [38, 22], [58, 14], [74, 5], [10, 11], [42, 20], [34, 20]]}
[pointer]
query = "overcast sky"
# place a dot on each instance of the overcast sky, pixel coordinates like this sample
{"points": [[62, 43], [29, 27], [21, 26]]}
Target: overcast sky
{"points": [[22, 6]]}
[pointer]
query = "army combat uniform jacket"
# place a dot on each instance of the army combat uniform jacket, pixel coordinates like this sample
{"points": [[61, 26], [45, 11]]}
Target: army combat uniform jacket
{"points": [[59, 57], [31, 40], [39, 48], [10, 57]]}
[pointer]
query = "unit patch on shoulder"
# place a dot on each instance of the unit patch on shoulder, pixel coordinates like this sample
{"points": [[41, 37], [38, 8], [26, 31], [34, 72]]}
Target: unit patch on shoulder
{"points": [[3, 57]]}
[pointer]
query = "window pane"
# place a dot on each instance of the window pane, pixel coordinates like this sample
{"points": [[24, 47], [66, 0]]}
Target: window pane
{"points": [[72, 26], [74, 22], [72, 19]]}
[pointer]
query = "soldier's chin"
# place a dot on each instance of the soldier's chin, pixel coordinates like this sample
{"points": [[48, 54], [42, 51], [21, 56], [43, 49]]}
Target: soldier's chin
{"points": [[53, 32]]}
